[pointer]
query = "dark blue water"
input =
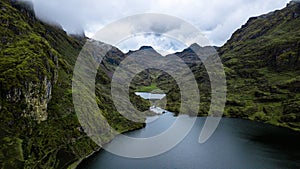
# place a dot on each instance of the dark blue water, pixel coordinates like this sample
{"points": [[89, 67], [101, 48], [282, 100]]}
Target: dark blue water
{"points": [[236, 143]]}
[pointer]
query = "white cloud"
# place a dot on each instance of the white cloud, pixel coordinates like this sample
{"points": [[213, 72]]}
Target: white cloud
{"points": [[162, 44], [217, 19]]}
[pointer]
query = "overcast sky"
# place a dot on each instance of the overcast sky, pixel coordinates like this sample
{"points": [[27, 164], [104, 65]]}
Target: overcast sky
{"points": [[217, 19]]}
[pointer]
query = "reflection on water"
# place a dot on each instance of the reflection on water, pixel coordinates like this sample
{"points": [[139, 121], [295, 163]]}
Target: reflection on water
{"points": [[235, 144]]}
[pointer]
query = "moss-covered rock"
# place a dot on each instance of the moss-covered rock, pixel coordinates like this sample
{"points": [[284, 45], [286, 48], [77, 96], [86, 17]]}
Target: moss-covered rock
{"points": [[39, 127]]}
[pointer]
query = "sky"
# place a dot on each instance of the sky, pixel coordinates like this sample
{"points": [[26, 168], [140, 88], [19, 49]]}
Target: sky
{"points": [[216, 19]]}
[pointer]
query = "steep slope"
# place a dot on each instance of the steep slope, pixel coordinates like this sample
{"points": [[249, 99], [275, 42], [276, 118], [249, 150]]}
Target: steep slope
{"points": [[191, 57], [157, 79], [191, 54], [147, 77], [39, 127], [263, 68]]}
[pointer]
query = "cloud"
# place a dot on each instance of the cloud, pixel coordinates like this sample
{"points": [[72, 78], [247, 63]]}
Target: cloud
{"points": [[162, 44], [216, 19]]}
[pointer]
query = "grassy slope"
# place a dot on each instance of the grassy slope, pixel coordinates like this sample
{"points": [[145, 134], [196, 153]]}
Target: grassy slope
{"points": [[261, 64], [263, 70], [27, 50]]}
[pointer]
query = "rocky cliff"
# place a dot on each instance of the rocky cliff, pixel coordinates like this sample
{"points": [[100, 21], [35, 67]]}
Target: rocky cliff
{"points": [[39, 127]]}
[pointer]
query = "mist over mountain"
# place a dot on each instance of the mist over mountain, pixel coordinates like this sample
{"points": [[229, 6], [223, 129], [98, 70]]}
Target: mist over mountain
{"points": [[39, 126], [216, 19]]}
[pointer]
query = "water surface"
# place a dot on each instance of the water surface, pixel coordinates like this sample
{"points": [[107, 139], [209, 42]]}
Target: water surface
{"points": [[150, 96], [236, 143]]}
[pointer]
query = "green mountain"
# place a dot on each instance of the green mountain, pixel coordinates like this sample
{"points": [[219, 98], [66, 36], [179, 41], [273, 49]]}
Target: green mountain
{"points": [[263, 68], [39, 127]]}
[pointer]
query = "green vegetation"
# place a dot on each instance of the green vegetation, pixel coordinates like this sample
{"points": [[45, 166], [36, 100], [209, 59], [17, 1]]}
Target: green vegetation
{"points": [[39, 127], [263, 80], [147, 88], [262, 66]]}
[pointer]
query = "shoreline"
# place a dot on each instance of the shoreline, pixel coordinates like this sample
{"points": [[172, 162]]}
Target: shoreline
{"points": [[283, 125], [76, 164]]}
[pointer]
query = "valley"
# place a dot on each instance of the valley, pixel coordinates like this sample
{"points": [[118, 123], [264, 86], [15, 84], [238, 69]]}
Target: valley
{"points": [[39, 125]]}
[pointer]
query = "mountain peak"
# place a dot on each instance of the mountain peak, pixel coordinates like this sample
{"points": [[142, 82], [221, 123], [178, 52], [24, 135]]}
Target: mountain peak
{"points": [[292, 2], [149, 50], [146, 48], [194, 45], [191, 48]]}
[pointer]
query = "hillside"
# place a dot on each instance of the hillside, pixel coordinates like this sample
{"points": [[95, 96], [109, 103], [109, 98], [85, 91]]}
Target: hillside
{"points": [[263, 68], [39, 127]]}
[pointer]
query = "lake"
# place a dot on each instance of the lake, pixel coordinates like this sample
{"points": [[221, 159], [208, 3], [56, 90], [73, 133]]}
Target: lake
{"points": [[237, 143], [150, 96]]}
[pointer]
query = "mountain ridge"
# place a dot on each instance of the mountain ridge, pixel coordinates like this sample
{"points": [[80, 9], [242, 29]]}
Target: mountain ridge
{"points": [[39, 125], [38, 121]]}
